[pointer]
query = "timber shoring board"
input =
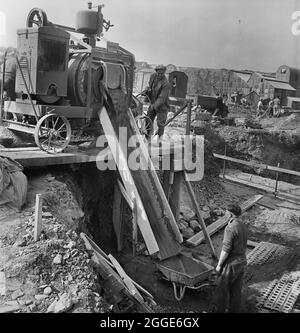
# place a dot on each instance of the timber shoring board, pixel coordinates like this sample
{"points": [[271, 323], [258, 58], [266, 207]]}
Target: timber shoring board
{"points": [[263, 188], [221, 222], [129, 183], [171, 221], [37, 158], [154, 213], [258, 165]]}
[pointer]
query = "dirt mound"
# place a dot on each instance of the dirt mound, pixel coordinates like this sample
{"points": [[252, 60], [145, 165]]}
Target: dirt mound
{"points": [[53, 274], [288, 123]]}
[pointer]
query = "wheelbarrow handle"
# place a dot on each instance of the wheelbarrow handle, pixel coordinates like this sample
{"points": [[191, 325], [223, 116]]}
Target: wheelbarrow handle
{"points": [[180, 290]]}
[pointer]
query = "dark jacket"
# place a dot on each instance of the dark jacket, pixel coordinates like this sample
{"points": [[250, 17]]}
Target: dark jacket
{"points": [[235, 241], [159, 92]]}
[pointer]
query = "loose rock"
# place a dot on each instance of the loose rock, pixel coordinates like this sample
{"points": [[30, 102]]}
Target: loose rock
{"points": [[16, 294], [40, 297], [64, 303], [187, 233], [195, 225], [57, 259], [47, 290], [47, 215]]}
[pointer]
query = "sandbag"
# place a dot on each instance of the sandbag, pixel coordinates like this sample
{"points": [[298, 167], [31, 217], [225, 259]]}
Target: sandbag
{"points": [[13, 183]]}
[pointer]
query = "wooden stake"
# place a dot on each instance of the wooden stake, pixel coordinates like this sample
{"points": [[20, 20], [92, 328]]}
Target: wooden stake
{"points": [[203, 226], [38, 216], [134, 227], [175, 193], [117, 215], [276, 184]]}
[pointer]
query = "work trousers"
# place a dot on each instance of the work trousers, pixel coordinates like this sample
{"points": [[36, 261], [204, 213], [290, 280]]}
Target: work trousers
{"points": [[162, 115], [229, 290]]}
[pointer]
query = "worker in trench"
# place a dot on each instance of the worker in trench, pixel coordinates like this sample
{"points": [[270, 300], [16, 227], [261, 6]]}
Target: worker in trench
{"points": [[231, 264], [158, 92]]}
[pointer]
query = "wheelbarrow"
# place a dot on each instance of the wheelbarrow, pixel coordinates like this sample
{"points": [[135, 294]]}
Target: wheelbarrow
{"points": [[186, 272]]}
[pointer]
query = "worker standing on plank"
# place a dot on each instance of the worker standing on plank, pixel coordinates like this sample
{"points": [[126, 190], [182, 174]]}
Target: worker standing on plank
{"points": [[232, 263], [158, 93]]}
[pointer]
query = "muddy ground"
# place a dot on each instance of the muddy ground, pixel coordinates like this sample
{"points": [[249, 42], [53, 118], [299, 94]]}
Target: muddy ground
{"points": [[55, 275]]}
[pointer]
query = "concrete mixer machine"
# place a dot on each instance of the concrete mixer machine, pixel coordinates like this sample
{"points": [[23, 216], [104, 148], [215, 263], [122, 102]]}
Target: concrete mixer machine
{"points": [[62, 79]]}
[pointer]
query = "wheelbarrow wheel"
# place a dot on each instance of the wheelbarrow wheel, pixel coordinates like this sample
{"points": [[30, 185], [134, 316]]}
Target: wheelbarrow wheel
{"points": [[144, 124], [52, 133]]}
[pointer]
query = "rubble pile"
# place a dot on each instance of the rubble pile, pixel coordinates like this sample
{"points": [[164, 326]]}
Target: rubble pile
{"points": [[212, 199], [53, 274]]}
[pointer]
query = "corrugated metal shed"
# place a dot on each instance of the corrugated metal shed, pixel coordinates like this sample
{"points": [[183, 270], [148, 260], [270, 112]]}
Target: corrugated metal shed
{"points": [[244, 76], [294, 99], [280, 85]]}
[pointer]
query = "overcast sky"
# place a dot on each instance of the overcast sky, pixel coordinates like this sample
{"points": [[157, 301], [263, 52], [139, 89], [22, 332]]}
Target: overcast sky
{"points": [[239, 34]]}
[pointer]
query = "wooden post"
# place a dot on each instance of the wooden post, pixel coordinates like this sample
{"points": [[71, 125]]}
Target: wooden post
{"points": [[134, 228], [224, 162], [175, 193], [203, 226], [117, 215], [188, 119], [38, 216], [166, 183], [2, 88], [276, 184]]}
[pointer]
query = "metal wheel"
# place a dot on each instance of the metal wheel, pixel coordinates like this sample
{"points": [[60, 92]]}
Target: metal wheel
{"points": [[52, 133], [36, 17], [144, 124]]}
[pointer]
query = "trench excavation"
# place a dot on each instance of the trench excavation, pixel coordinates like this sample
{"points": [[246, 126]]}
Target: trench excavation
{"points": [[70, 245], [94, 192]]}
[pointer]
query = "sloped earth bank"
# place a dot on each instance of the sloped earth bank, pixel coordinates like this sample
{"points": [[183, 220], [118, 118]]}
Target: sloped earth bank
{"points": [[278, 141], [54, 274]]}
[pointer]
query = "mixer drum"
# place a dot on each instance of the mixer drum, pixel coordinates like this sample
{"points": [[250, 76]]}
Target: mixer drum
{"points": [[77, 79], [112, 74]]}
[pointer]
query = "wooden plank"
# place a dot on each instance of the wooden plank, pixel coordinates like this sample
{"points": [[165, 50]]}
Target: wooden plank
{"points": [[36, 158], [91, 245], [2, 284], [38, 217], [211, 229], [128, 181], [258, 165], [116, 285], [250, 202], [125, 195], [166, 183], [19, 149], [117, 215], [126, 279], [203, 226], [280, 195], [221, 222], [158, 187], [176, 193], [9, 309], [134, 228], [251, 243]]}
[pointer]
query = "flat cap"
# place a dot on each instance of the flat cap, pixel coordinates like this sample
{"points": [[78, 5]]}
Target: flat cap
{"points": [[160, 67]]}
